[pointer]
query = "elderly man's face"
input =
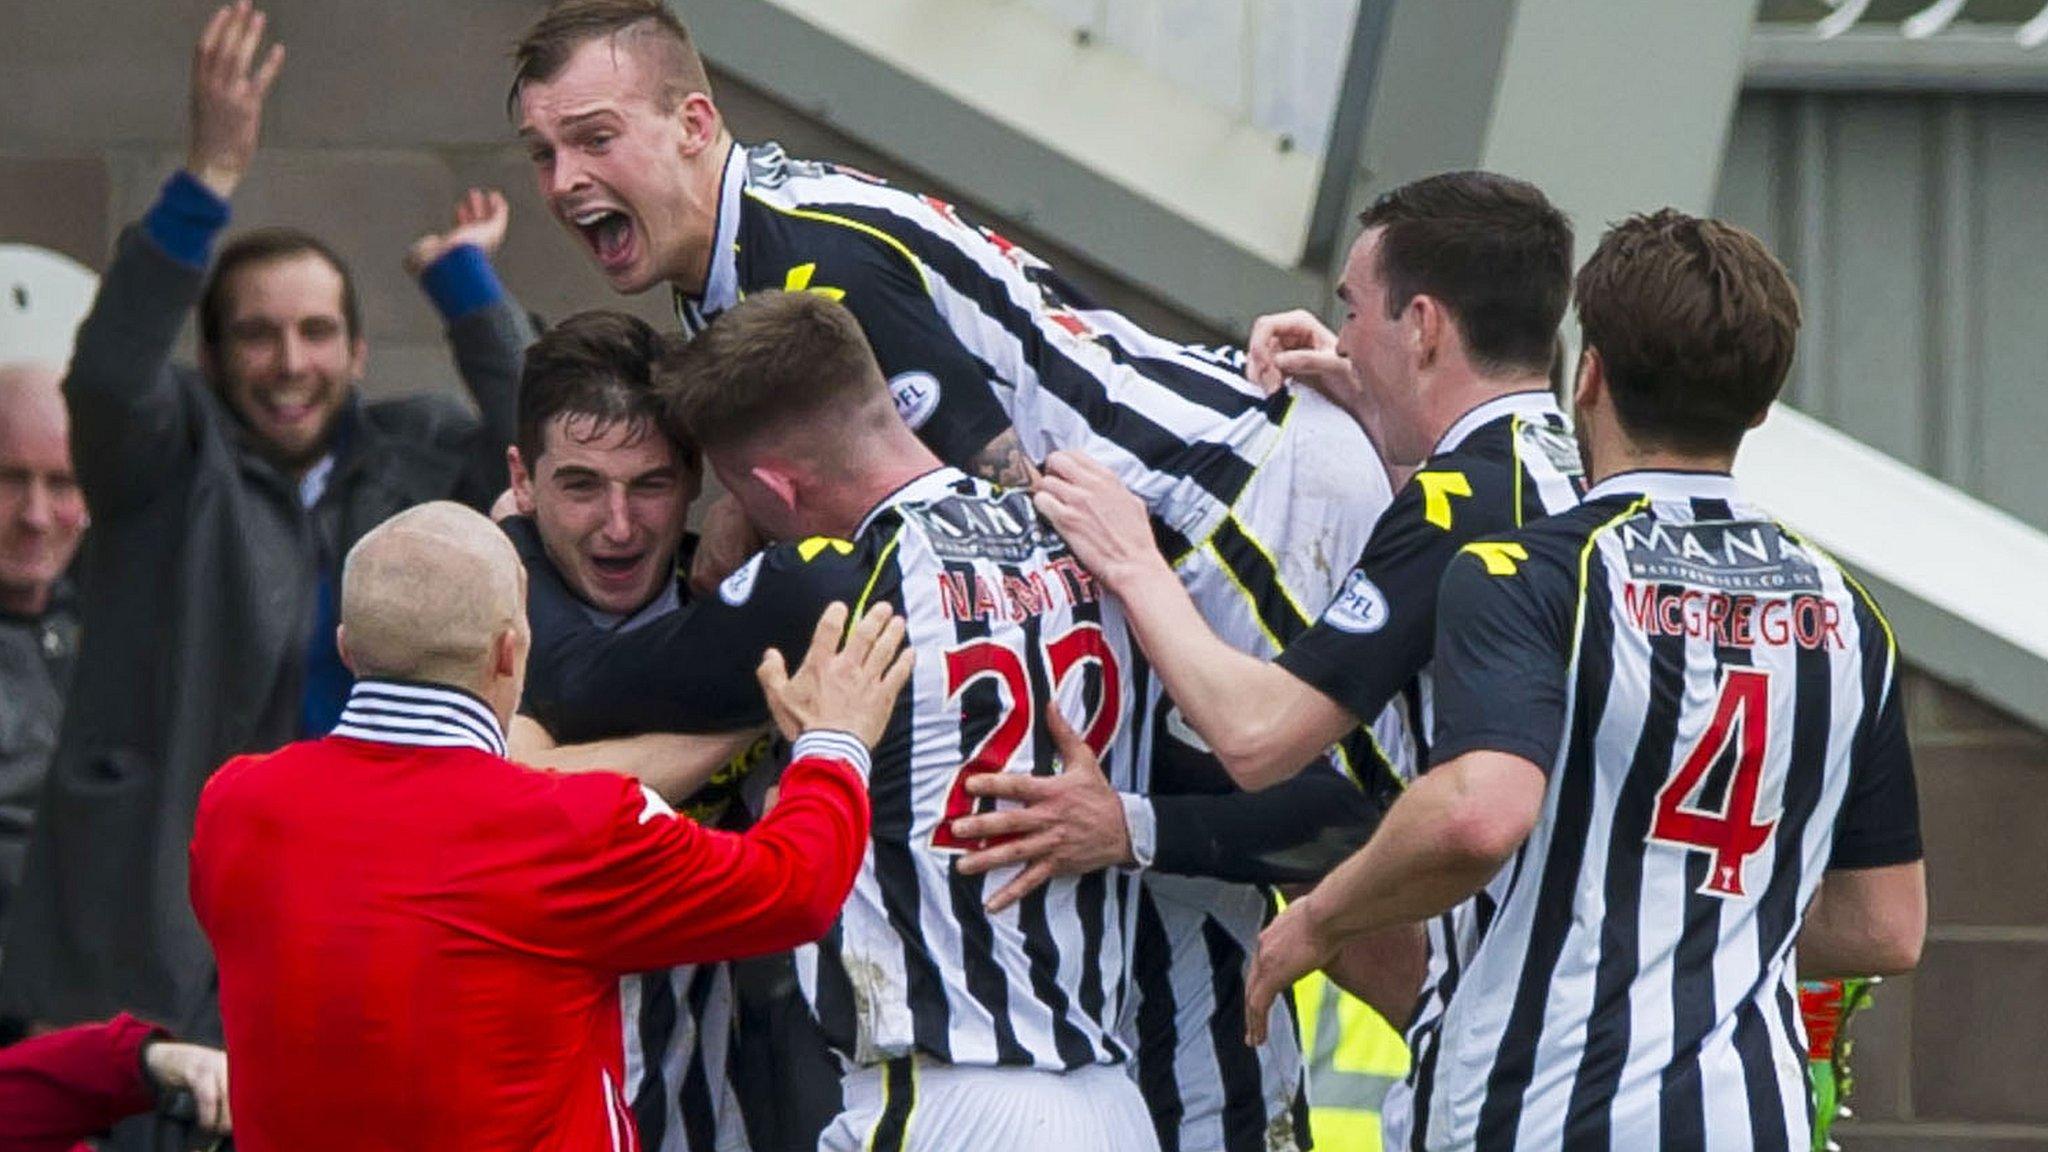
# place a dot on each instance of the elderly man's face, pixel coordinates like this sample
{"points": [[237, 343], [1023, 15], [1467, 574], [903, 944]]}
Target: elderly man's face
{"points": [[286, 357], [42, 513]]}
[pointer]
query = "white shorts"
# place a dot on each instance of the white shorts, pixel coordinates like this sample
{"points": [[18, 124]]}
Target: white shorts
{"points": [[913, 1104]]}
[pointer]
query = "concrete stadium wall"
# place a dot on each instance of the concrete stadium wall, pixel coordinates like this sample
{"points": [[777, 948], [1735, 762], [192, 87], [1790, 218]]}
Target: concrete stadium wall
{"points": [[1949, 1058], [385, 112]]}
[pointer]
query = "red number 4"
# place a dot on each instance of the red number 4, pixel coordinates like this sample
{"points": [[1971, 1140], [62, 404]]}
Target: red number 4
{"points": [[987, 658], [1733, 834]]}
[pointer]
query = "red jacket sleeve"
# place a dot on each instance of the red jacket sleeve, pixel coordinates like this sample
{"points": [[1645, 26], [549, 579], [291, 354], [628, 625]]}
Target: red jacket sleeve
{"points": [[58, 1089], [646, 888]]}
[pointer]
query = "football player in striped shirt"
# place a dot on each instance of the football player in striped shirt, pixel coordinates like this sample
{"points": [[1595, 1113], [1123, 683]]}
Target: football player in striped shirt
{"points": [[1453, 293], [601, 492], [1670, 738], [960, 1027], [994, 359]]}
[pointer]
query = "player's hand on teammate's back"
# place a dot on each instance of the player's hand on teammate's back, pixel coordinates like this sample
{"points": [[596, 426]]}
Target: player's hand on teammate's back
{"points": [[481, 217], [724, 542], [849, 687], [1104, 523], [1071, 823], [227, 96], [1291, 947]]}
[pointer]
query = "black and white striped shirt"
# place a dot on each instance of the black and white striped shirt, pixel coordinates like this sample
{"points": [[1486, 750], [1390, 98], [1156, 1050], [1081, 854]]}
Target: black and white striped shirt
{"points": [[976, 335], [1006, 624], [1509, 461], [1716, 705], [419, 714]]}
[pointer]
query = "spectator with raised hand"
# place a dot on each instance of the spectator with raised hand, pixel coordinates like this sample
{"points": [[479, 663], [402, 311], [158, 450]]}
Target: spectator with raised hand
{"points": [[224, 499]]}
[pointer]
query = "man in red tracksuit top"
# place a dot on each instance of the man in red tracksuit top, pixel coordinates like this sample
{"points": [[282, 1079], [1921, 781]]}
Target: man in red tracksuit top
{"points": [[420, 941]]}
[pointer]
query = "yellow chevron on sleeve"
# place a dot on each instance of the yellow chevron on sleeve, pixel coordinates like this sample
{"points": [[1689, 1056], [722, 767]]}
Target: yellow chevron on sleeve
{"points": [[1501, 557], [799, 280], [810, 549], [1437, 490]]}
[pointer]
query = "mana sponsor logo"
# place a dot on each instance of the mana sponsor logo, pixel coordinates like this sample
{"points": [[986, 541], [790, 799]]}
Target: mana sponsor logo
{"points": [[1360, 606], [916, 395], [1004, 529], [1723, 555]]}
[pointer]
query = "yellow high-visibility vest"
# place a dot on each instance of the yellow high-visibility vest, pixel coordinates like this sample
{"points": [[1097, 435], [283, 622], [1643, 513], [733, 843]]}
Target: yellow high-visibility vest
{"points": [[1353, 1056]]}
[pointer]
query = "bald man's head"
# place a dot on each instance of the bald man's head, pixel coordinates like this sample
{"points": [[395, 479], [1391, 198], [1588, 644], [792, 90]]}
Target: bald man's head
{"points": [[437, 594], [42, 511], [30, 393]]}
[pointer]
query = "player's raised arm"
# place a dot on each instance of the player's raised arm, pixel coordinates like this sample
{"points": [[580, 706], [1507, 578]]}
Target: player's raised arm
{"points": [[1262, 722]]}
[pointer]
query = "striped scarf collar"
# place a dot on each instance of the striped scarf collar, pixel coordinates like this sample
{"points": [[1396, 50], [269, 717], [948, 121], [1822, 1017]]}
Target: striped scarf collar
{"points": [[422, 715]]}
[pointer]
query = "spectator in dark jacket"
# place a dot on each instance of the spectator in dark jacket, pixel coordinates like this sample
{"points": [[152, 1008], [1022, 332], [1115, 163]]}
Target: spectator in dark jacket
{"points": [[42, 516], [223, 502]]}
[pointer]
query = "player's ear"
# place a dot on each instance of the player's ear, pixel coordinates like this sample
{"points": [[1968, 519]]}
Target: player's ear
{"points": [[1425, 320], [1591, 383], [522, 480], [700, 121], [341, 647], [775, 480]]}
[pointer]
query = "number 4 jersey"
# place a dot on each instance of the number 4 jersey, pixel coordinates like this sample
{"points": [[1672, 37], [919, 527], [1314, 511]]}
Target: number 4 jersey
{"points": [[1716, 705]]}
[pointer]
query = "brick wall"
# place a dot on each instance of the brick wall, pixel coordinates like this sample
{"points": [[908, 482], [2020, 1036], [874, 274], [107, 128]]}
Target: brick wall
{"points": [[1951, 1057]]}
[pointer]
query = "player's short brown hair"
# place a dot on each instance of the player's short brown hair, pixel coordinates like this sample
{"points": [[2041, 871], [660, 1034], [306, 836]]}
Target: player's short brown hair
{"points": [[774, 363], [596, 366], [569, 24], [1492, 249], [1695, 323]]}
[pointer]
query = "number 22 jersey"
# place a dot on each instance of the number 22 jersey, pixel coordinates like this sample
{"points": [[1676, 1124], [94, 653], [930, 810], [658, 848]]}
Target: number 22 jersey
{"points": [[1006, 626]]}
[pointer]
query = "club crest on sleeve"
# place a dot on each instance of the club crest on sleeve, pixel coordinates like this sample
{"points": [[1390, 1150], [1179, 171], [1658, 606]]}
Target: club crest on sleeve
{"points": [[1360, 606], [735, 589], [916, 395]]}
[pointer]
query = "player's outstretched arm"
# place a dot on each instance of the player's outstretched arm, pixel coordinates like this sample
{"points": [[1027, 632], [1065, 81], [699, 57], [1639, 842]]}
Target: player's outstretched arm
{"points": [[1441, 841], [1865, 922], [674, 764], [1262, 722], [650, 890], [848, 687]]}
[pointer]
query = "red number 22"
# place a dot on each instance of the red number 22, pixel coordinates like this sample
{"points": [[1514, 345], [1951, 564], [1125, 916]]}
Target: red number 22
{"points": [[987, 658]]}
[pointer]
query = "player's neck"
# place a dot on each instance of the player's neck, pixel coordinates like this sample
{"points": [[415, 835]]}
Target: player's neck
{"points": [[1610, 453], [1455, 397], [703, 196], [892, 467]]}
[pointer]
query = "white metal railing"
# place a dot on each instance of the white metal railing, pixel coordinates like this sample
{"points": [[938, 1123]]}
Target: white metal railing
{"points": [[1925, 24]]}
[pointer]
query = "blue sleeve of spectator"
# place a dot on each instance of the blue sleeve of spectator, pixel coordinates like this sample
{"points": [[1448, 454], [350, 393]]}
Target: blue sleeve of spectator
{"points": [[461, 282], [185, 219]]}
